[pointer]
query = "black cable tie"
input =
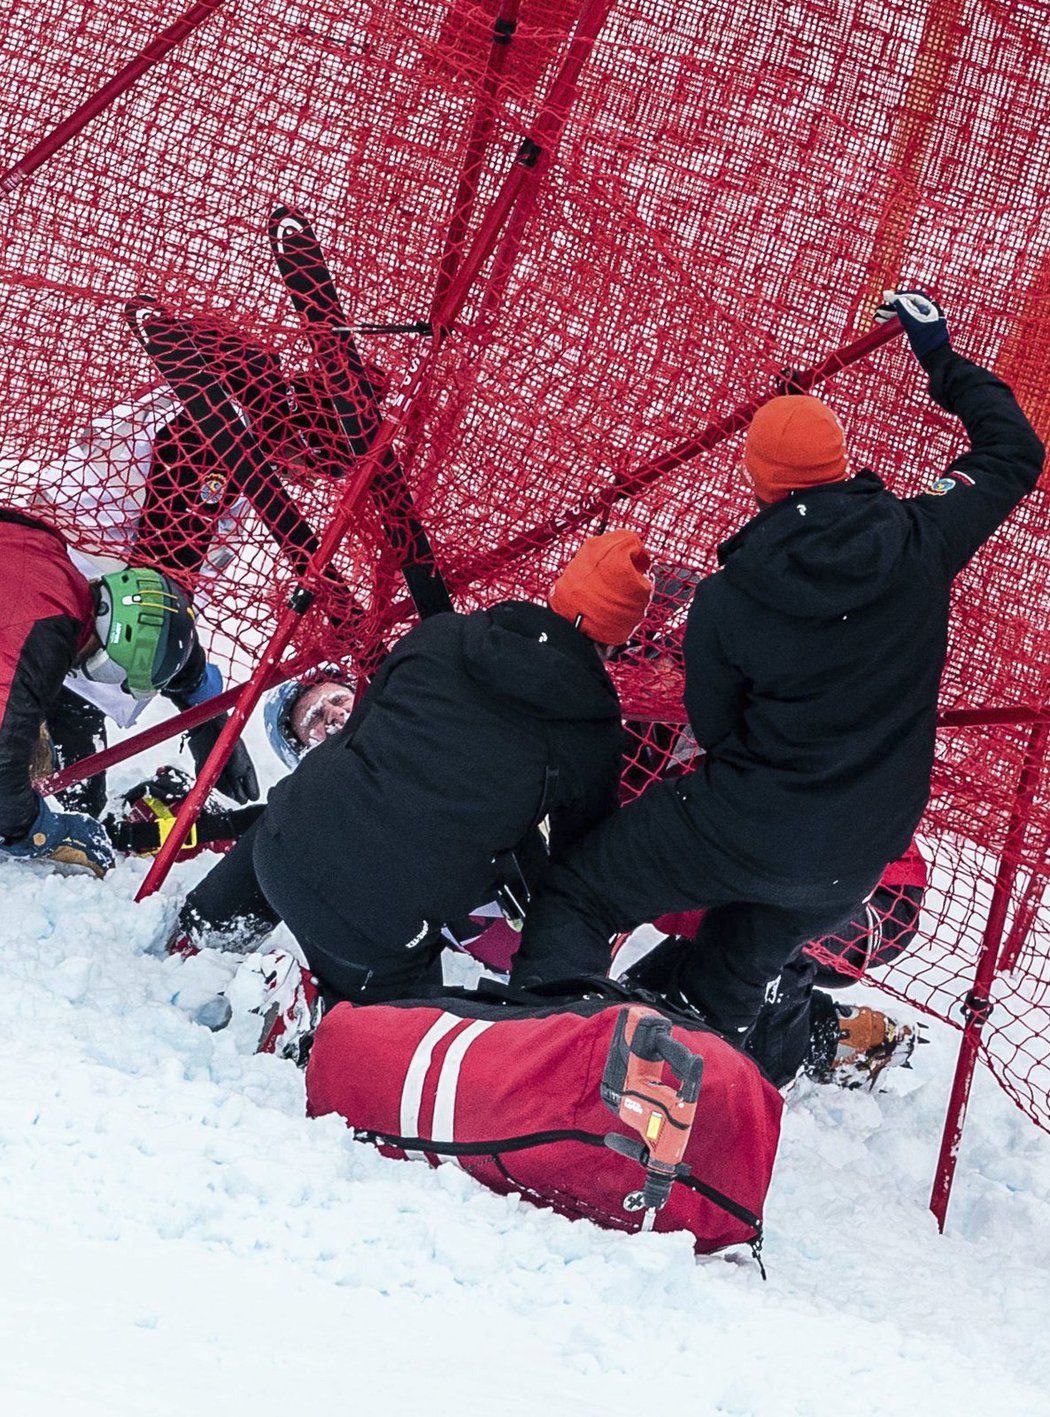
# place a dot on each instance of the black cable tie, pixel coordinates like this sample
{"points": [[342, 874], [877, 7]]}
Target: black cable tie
{"points": [[976, 1007], [300, 600], [503, 31], [787, 382], [529, 153]]}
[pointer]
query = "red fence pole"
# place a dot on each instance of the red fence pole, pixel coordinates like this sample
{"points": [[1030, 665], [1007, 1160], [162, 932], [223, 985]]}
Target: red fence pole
{"points": [[992, 715], [161, 732], [175, 33], [1024, 918], [532, 162], [1027, 907], [977, 1004], [503, 27], [298, 603], [629, 484], [183, 722]]}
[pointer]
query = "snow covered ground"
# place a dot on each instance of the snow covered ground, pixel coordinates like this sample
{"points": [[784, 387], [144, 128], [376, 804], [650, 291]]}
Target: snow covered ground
{"points": [[177, 1238]]}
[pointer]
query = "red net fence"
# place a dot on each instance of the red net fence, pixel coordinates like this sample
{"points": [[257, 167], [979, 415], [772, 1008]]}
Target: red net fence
{"points": [[562, 259]]}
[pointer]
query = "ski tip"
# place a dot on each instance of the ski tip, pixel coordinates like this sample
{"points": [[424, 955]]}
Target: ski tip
{"points": [[286, 222], [138, 311]]}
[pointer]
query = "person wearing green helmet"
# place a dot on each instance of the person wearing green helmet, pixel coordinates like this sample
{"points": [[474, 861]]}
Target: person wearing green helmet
{"points": [[145, 626], [115, 643]]}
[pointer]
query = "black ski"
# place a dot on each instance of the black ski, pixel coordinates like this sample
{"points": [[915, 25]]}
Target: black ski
{"points": [[309, 282], [172, 346]]}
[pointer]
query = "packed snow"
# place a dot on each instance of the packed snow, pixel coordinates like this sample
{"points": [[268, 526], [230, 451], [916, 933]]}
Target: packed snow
{"points": [[177, 1237]]}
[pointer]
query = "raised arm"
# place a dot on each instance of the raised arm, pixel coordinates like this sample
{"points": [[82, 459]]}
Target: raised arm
{"points": [[981, 487]]}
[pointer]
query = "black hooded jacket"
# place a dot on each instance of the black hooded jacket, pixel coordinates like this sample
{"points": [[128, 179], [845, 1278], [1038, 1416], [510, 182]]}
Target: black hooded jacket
{"points": [[813, 657], [473, 729]]}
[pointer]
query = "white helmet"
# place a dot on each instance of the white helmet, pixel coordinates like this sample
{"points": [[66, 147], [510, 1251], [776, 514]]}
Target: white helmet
{"points": [[279, 707]]}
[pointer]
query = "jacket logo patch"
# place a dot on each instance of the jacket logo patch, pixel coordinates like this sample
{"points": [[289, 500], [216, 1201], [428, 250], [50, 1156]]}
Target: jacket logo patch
{"points": [[211, 490], [418, 938], [941, 487]]}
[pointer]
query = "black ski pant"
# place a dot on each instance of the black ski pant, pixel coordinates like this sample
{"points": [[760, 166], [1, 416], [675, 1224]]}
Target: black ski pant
{"points": [[659, 855], [251, 890], [227, 910], [78, 729], [797, 1026]]}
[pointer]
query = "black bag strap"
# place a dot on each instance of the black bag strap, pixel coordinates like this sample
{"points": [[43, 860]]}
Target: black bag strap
{"points": [[495, 1148]]}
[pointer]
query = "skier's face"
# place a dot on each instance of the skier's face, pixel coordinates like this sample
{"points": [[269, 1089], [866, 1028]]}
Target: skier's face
{"points": [[320, 710]]}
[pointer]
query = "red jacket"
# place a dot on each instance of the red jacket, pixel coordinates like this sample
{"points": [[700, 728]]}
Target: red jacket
{"points": [[46, 617]]}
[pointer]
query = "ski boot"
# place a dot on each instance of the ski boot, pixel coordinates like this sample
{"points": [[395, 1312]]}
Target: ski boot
{"points": [[857, 1045]]}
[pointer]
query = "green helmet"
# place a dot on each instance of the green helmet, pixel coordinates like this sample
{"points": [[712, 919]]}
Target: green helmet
{"points": [[145, 623]]}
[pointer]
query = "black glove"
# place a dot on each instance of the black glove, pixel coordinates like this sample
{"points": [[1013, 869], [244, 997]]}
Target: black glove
{"points": [[238, 779], [922, 318]]}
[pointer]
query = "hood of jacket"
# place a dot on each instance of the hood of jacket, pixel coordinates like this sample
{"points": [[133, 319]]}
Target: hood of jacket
{"points": [[821, 552], [538, 662]]}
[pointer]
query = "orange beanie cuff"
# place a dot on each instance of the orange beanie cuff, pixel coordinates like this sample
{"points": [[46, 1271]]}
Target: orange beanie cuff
{"points": [[606, 584], [794, 441]]}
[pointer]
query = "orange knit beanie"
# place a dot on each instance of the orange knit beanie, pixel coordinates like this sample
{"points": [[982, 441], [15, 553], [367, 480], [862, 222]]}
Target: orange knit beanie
{"points": [[794, 441], [605, 582]]}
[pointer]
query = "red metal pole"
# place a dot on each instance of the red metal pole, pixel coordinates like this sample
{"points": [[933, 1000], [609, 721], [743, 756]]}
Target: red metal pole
{"points": [[545, 138], [1024, 916], [977, 1004], [533, 159], [269, 663], [16, 174], [991, 716], [1028, 906], [161, 732], [503, 27], [631, 483], [506, 257], [183, 722]]}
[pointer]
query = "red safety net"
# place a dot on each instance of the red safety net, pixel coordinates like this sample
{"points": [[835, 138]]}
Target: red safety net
{"points": [[734, 186]]}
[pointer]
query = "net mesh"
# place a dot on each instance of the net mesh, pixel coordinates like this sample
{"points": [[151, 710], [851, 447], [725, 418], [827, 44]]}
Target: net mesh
{"points": [[735, 184]]}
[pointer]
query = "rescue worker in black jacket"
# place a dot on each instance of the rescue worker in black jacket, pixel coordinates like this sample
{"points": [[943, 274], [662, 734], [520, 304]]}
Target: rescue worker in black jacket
{"points": [[812, 664], [474, 729]]}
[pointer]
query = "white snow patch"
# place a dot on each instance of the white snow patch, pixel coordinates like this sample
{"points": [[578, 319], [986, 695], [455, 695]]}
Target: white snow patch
{"points": [[178, 1237]]}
